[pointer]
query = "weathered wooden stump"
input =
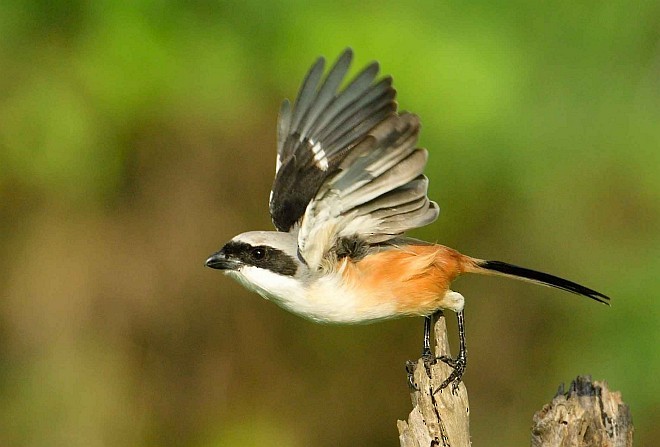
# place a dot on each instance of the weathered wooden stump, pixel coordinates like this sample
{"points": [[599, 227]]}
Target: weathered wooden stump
{"points": [[587, 415]]}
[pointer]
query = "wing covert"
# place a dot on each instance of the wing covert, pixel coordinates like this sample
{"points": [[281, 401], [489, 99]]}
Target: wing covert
{"points": [[377, 193]]}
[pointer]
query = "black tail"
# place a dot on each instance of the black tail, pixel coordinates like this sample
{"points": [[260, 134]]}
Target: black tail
{"points": [[543, 278]]}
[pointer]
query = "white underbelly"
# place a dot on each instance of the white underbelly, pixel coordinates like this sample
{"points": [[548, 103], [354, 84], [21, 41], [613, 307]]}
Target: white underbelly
{"points": [[325, 300], [329, 302]]}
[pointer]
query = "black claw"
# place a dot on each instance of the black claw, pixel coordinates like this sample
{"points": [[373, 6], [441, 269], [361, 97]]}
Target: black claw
{"points": [[459, 364], [448, 360], [410, 371]]}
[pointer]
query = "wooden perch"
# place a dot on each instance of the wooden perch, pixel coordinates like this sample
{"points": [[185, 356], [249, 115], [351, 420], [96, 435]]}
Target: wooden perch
{"points": [[439, 418], [588, 415]]}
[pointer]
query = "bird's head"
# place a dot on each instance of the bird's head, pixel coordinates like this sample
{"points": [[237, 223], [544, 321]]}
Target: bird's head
{"points": [[263, 261]]}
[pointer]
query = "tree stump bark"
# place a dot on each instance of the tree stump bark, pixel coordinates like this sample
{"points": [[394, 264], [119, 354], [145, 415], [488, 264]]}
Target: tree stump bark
{"points": [[439, 417], [588, 415]]}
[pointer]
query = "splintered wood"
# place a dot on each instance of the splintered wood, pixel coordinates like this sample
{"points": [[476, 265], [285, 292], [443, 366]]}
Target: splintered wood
{"points": [[439, 417], [588, 415]]}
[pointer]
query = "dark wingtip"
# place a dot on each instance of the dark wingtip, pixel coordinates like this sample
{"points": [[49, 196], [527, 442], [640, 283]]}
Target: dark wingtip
{"points": [[348, 52]]}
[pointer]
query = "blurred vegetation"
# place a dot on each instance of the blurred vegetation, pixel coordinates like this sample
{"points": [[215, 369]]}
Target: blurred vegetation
{"points": [[137, 137]]}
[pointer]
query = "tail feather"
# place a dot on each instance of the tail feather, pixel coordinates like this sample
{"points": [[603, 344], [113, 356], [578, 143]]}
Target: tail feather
{"points": [[502, 268]]}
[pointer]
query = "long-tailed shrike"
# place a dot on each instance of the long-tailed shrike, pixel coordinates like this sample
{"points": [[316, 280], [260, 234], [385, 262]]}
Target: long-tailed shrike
{"points": [[349, 182]]}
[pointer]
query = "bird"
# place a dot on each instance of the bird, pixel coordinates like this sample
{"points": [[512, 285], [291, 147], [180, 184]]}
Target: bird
{"points": [[349, 183]]}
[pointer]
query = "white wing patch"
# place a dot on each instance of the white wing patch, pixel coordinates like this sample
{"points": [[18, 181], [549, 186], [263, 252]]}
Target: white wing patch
{"points": [[320, 158], [278, 164]]}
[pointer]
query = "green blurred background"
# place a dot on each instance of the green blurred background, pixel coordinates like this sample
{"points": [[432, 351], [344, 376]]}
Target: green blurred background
{"points": [[136, 139]]}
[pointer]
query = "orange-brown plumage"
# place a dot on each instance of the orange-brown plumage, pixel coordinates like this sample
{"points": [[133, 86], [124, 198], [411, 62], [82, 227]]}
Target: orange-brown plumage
{"points": [[414, 277]]}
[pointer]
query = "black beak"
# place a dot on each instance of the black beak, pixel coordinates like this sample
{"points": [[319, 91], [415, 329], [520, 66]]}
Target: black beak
{"points": [[220, 261]]}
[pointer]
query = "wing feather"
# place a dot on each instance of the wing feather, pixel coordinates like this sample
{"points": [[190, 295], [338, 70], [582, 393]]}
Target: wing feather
{"points": [[378, 154], [400, 210], [392, 227], [410, 192], [371, 99], [326, 93], [356, 90], [321, 128], [378, 192], [283, 125], [400, 173], [307, 92]]}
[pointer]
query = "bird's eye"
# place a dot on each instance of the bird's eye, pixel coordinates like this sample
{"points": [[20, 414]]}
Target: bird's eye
{"points": [[258, 253]]}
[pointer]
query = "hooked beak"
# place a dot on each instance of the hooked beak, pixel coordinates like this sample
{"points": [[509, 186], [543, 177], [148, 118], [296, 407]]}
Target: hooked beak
{"points": [[220, 261]]}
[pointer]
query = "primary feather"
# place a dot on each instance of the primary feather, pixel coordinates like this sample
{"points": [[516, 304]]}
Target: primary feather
{"points": [[320, 130]]}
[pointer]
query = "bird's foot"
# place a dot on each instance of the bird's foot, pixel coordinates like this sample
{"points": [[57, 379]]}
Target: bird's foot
{"points": [[459, 363], [429, 360]]}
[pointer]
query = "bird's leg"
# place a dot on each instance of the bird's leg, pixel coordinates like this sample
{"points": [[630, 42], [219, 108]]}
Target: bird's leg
{"points": [[427, 355], [460, 362]]}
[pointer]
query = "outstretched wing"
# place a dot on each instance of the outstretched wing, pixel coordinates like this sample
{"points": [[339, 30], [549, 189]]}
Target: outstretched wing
{"points": [[377, 192], [317, 134]]}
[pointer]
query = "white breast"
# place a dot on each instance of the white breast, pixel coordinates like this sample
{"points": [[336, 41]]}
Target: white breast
{"points": [[324, 300]]}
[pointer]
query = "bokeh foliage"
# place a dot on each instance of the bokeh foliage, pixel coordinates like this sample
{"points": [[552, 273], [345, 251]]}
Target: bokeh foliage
{"points": [[137, 137]]}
